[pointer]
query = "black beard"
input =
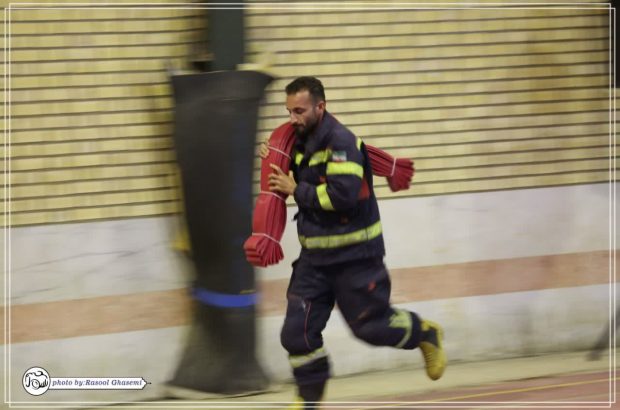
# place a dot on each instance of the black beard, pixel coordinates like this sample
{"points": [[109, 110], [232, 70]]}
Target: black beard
{"points": [[301, 132], [304, 132]]}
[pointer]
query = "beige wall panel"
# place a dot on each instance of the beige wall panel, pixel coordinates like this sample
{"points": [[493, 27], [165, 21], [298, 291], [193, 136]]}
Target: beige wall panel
{"points": [[88, 214], [292, 57], [265, 18], [119, 25], [119, 65], [87, 93], [92, 111], [87, 13], [468, 39], [94, 200], [435, 28], [93, 133], [488, 76], [436, 6], [90, 119], [91, 173], [454, 75], [454, 88], [45, 191], [88, 79], [69, 54], [258, 16], [84, 147], [89, 160], [89, 39], [482, 63], [39, 110]]}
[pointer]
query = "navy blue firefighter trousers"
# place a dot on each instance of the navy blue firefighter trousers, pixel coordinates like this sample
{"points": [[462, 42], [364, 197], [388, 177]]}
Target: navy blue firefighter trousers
{"points": [[362, 291]]}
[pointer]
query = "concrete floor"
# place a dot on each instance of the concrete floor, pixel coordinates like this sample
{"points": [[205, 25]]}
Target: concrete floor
{"points": [[557, 378]]}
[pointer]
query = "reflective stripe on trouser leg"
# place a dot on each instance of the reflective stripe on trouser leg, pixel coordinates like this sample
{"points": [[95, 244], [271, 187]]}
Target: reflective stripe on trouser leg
{"points": [[310, 368], [401, 319], [412, 328], [300, 360]]}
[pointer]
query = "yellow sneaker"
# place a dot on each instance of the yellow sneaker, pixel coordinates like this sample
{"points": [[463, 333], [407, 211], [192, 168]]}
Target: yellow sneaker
{"points": [[432, 349], [300, 404], [297, 405]]}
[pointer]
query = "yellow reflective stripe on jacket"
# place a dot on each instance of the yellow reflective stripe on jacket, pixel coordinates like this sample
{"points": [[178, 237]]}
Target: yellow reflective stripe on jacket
{"points": [[345, 239], [321, 193], [345, 168], [358, 140], [298, 361], [320, 157], [298, 157]]}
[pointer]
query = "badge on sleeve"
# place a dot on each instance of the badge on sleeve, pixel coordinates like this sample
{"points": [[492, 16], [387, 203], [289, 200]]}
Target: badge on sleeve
{"points": [[339, 156]]}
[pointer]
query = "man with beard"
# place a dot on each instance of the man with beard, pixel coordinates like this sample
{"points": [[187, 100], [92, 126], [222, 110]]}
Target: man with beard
{"points": [[341, 258]]}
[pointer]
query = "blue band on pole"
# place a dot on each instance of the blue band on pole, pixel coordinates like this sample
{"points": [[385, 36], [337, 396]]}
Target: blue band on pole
{"points": [[224, 300]]}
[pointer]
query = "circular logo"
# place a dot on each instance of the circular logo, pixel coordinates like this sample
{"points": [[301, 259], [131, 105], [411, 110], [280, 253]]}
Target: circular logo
{"points": [[36, 381]]}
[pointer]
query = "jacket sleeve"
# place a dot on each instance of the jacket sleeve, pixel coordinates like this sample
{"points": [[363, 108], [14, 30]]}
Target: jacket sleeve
{"points": [[344, 173]]}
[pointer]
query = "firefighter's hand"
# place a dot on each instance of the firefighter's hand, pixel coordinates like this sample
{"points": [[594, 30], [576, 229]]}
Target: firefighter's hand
{"points": [[280, 182], [264, 150]]}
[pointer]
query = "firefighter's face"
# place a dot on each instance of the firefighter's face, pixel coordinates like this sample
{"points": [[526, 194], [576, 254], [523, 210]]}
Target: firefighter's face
{"points": [[305, 113]]}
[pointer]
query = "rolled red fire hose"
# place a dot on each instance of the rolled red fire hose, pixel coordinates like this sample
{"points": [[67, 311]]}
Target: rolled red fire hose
{"points": [[263, 247]]}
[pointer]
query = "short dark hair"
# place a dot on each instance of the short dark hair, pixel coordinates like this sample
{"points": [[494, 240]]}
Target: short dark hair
{"points": [[312, 84]]}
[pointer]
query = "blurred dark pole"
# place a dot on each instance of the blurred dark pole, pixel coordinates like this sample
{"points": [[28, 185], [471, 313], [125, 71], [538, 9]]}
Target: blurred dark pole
{"points": [[216, 116], [215, 130], [226, 35]]}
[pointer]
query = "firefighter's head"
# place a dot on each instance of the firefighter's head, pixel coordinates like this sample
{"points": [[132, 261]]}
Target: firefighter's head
{"points": [[305, 102]]}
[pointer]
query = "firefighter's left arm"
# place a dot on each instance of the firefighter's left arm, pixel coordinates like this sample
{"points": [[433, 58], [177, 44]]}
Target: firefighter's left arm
{"points": [[344, 175]]}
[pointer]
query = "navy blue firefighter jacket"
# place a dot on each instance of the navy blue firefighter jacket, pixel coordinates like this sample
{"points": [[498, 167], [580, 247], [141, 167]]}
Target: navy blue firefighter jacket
{"points": [[338, 218]]}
